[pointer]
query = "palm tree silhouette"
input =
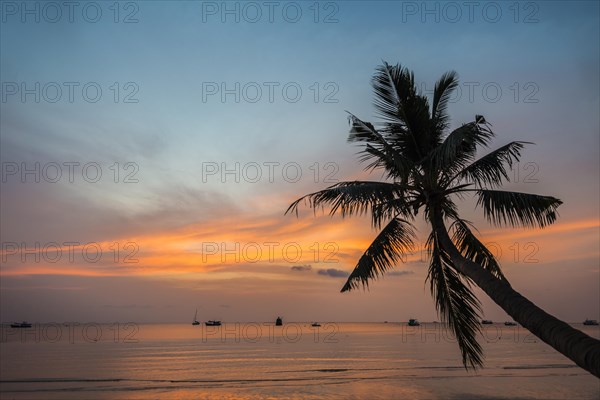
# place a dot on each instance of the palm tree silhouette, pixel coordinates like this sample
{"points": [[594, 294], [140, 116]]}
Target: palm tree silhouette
{"points": [[427, 169]]}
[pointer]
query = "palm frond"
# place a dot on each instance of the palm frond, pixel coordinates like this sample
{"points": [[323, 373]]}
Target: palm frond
{"points": [[393, 242], [393, 164], [460, 145], [378, 151], [406, 206], [492, 168], [392, 85], [441, 95], [456, 304], [404, 111], [362, 131], [354, 198], [518, 209], [471, 248]]}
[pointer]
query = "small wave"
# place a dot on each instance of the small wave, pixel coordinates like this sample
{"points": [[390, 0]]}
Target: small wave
{"points": [[166, 384], [546, 366]]}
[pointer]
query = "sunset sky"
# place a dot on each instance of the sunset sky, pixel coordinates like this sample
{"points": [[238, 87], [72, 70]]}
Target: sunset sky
{"points": [[169, 144]]}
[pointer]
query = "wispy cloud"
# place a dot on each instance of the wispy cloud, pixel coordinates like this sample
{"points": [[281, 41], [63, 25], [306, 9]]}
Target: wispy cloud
{"points": [[400, 273], [332, 272], [301, 268]]}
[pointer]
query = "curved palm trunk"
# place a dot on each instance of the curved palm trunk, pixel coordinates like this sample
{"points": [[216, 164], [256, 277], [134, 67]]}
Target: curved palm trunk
{"points": [[574, 344]]}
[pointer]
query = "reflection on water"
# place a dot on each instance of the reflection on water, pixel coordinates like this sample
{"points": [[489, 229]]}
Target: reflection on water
{"points": [[295, 361]]}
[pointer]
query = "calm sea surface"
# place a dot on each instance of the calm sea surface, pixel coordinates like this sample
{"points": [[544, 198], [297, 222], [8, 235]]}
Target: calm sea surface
{"points": [[296, 361]]}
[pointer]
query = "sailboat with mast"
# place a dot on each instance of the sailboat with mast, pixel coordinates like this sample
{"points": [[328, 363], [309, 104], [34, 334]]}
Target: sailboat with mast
{"points": [[196, 318]]}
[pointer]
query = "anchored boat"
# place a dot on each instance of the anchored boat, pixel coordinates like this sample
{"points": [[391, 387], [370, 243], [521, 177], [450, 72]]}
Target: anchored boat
{"points": [[25, 324]]}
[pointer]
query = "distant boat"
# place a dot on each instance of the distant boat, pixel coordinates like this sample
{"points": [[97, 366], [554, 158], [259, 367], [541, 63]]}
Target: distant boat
{"points": [[25, 324], [315, 324], [510, 323], [278, 321], [196, 322], [487, 322], [213, 323], [413, 322], [590, 322]]}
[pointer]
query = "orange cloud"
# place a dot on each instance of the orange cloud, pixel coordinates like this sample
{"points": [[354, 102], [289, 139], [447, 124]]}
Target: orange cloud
{"points": [[268, 246]]}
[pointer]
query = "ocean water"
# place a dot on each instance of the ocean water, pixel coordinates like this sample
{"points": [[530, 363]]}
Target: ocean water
{"points": [[296, 361]]}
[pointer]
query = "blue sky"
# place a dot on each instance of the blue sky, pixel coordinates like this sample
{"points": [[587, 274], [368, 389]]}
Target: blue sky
{"points": [[542, 56]]}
